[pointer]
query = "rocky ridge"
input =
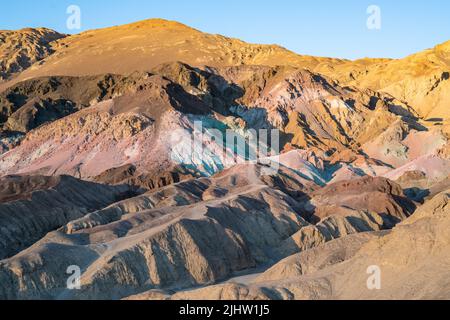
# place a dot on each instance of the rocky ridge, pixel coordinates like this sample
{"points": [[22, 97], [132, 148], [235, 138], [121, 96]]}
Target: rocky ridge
{"points": [[103, 166]]}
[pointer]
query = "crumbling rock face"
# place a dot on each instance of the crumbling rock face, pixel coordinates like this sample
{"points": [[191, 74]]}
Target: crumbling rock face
{"points": [[128, 174], [164, 248]]}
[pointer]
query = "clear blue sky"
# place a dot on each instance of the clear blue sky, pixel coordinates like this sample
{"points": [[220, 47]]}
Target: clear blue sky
{"points": [[317, 27]]}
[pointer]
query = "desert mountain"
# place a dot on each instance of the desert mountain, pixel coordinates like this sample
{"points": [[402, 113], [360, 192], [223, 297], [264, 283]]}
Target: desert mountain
{"points": [[115, 156], [420, 80], [21, 49]]}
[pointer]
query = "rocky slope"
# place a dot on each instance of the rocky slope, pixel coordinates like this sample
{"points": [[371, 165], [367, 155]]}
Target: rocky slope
{"points": [[143, 45], [20, 49], [146, 120], [420, 80], [165, 239], [115, 157], [413, 260], [33, 206]]}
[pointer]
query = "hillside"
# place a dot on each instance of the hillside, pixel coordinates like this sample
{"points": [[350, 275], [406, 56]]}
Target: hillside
{"points": [[21, 49], [168, 163]]}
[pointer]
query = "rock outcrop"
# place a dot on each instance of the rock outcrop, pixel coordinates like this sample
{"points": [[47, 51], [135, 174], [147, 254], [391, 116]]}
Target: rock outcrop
{"points": [[20, 49], [168, 238]]}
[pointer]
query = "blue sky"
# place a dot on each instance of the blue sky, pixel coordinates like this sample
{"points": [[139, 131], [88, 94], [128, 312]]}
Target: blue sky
{"points": [[316, 27]]}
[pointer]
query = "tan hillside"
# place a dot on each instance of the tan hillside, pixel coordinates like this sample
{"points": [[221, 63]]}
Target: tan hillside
{"points": [[413, 259], [20, 49], [87, 126], [146, 44], [130, 152], [169, 238]]}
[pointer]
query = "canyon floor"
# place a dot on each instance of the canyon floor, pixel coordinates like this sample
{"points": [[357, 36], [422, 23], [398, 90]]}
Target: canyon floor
{"points": [[128, 154]]}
